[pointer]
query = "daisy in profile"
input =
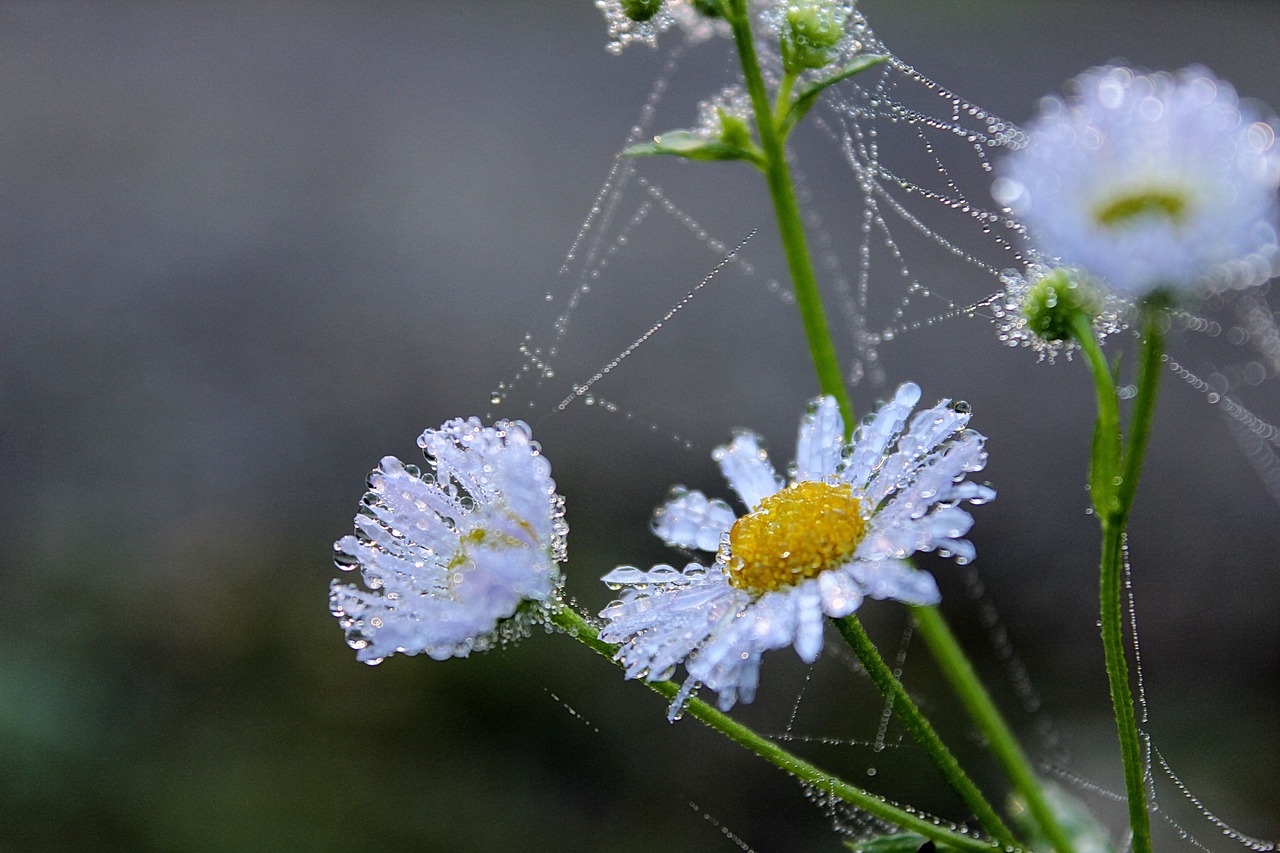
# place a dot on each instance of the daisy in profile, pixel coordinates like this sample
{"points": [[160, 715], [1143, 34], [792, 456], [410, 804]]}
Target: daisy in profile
{"points": [[1150, 182], [458, 557], [841, 531]]}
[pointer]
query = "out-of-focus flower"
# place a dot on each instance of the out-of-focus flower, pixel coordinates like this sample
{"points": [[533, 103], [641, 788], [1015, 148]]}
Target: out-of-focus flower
{"points": [[841, 531], [1150, 182], [458, 557]]}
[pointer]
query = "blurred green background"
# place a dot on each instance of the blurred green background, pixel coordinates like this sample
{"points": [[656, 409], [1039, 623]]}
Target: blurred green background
{"points": [[248, 248]]}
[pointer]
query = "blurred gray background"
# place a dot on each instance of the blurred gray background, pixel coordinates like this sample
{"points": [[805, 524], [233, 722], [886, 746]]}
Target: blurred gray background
{"points": [[248, 248]]}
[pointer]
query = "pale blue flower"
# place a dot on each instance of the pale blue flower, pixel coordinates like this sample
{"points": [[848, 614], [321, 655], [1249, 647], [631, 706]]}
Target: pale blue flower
{"points": [[842, 531], [1150, 182], [450, 555]]}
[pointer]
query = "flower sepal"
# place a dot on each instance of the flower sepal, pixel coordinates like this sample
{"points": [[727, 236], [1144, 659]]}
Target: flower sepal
{"points": [[1054, 303], [733, 143]]}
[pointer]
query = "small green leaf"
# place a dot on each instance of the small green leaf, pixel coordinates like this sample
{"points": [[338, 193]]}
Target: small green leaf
{"points": [[683, 143], [808, 96], [899, 842], [734, 131]]}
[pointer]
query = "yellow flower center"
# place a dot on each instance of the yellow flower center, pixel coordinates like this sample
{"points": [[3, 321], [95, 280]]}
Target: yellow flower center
{"points": [[794, 535], [1159, 203]]}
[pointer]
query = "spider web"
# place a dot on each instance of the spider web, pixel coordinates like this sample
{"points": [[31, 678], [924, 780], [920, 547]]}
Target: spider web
{"points": [[928, 249]]}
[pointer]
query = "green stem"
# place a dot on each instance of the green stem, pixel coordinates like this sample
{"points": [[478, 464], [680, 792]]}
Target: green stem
{"points": [[920, 728], [1105, 459], [1111, 611], [1149, 372], [581, 630], [958, 671], [787, 209], [1114, 476]]}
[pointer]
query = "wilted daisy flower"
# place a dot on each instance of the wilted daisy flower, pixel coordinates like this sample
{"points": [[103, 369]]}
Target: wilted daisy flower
{"points": [[451, 555], [841, 531], [642, 21], [1150, 182]]}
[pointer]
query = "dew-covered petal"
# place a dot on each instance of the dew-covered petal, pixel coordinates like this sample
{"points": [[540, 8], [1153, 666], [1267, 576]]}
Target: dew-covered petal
{"points": [[896, 580], [657, 627], [745, 464], [807, 601], [691, 520], [874, 436], [841, 593], [820, 441], [928, 431]]}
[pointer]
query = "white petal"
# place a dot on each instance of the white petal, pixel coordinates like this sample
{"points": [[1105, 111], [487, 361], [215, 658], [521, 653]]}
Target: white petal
{"points": [[897, 580], [841, 594], [746, 466], [873, 438], [691, 520], [810, 621], [820, 440]]}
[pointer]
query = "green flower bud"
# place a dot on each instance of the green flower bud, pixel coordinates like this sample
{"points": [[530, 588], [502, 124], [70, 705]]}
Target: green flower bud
{"points": [[1055, 300], [710, 8], [641, 10], [812, 31]]}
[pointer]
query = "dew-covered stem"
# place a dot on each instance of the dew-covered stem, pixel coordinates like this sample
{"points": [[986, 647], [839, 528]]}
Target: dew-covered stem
{"points": [[921, 729], [959, 673], [787, 210], [1114, 473], [584, 632]]}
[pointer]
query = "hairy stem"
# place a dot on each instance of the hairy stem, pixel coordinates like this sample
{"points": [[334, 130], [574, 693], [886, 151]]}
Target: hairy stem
{"points": [[580, 629], [1114, 476], [787, 210], [921, 729], [982, 710]]}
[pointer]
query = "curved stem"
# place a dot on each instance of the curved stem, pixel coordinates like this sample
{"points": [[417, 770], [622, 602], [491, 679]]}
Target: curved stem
{"points": [[580, 629], [958, 671], [787, 210], [921, 729]]}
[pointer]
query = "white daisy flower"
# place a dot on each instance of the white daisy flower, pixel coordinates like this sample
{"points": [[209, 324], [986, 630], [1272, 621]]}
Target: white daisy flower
{"points": [[450, 556], [1150, 182], [841, 531]]}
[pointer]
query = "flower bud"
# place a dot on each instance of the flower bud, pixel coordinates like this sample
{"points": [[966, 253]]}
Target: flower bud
{"points": [[1055, 300], [811, 32], [641, 10]]}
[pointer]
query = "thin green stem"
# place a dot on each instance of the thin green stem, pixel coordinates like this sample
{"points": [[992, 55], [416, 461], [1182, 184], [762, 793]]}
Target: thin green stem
{"points": [[1114, 475], [1149, 372], [581, 630], [958, 671], [1111, 611], [921, 729], [787, 210], [1105, 459]]}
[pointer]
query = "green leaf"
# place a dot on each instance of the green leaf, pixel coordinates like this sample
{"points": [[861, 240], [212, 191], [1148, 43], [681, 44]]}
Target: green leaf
{"points": [[808, 96], [684, 143], [899, 842]]}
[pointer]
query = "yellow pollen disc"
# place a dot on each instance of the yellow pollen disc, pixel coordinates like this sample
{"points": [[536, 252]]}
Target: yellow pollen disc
{"points": [[1153, 203], [794, 535]]}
